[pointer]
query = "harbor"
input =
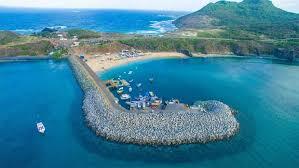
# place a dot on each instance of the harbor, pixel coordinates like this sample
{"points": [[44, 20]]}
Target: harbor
{"points": [[148, 102], [209, 121]]}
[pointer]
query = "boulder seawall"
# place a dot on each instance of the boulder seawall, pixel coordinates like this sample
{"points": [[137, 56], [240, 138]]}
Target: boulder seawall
{"points": [[214, 121]]}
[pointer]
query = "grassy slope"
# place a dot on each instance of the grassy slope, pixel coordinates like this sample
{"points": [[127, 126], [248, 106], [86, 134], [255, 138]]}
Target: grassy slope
{"points": [[210, 46], [7, 37], [257, 16], [13, 44], [82, 34]]}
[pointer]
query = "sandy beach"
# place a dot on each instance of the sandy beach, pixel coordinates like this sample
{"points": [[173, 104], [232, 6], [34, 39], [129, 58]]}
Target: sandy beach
{"points": [[103, 62]]}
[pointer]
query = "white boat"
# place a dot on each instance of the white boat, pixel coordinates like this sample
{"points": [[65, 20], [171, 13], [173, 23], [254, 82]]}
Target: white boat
{"points": [[139, 84], [125, 97], [40, 127], [130, 89], [151, 94], [120, 90], [131, 80], [130, 72]]}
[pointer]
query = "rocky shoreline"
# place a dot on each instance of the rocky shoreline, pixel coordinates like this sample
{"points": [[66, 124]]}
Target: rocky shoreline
{"points": [[214, 121]]}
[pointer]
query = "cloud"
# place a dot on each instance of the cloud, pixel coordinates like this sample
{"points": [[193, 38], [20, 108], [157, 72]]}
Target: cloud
{"points": [[186, 5]]}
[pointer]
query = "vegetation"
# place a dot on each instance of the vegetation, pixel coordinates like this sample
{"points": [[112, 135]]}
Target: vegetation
{"points": [[210, 46], [47, 32], [82, 34], [253, 16], [7, 37], [41, 47], [59, 53], [229, 34]]}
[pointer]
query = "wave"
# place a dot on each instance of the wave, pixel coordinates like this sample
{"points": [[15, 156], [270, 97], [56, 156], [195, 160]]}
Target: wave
{"points": [[30, 31], [57, 27], [158, 27], [25, 31], [167, 16]]}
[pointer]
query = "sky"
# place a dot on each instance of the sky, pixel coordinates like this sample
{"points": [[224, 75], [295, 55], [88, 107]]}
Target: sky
{"points": [[178, 5]]}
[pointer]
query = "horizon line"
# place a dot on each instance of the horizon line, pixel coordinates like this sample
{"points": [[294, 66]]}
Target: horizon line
{"points": [[66, 8]]}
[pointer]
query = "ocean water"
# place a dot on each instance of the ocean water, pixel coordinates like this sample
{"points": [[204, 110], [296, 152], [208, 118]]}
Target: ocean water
{"points": [[27, 21], [265, 93]]}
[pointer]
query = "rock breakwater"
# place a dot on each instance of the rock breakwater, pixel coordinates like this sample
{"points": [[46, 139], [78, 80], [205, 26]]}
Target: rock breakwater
{"points": [[213, 121]]}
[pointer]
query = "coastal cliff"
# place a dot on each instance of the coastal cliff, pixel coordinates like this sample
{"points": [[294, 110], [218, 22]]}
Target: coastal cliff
{"points": [[215, 120]]}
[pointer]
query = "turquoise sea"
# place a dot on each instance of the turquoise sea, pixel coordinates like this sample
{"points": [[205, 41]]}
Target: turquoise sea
{"points": [[265, 93]]}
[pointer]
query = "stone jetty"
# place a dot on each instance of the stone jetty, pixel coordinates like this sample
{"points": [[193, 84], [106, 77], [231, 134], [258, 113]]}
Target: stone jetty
{"points": [[212, 121]]}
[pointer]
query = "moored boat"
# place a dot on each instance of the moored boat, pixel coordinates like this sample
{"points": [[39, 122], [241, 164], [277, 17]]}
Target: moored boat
{"points": [[151, 94], [125, 97], [120, 90], [139, 85]]}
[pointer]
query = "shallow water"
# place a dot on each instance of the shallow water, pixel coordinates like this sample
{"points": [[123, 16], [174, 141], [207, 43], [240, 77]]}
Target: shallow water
{"points": [[264, 92]]}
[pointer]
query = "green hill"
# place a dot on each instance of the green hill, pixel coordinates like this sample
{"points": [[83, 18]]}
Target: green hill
{"points": [[7, 37], [258, 16]]}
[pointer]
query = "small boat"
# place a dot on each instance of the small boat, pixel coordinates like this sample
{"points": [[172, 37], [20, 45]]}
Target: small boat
{"points": [[40, 127], [151, 80], [130, 89], [130, 72], [120, 90], [151, 94], [124, 82], [139, 84], [125, 97], [173, 101], [131, 80], [156, 103]]}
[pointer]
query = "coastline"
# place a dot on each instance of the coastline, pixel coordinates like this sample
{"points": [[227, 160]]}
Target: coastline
{"points": [[105, 62]]}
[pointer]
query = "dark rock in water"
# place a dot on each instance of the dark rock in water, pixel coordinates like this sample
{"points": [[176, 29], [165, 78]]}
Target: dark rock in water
{"points": [[48, 30], [185, 52]]}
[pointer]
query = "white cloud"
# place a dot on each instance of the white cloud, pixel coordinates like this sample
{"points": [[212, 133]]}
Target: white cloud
{"points": [[187, 5]]}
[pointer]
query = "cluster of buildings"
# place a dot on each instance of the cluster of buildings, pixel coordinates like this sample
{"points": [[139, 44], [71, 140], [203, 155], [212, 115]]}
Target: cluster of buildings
{"points": [[130, 53], [73, 42]]}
